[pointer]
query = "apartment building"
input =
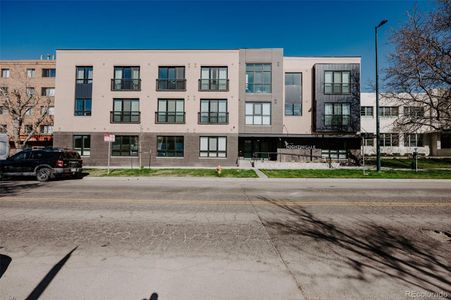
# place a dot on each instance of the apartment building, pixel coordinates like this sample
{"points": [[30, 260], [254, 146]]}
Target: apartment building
{"points": [[204, 107], [37, 77], [395, 142]]}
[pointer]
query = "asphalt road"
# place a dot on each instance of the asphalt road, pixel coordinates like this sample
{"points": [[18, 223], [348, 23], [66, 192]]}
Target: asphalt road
{"points": [[195, 238]]}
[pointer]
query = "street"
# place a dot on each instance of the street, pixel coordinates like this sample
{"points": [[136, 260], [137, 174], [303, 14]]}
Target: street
{"points": [[217, 238]]}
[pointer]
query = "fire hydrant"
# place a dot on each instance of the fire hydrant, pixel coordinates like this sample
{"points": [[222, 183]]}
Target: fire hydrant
{"points": [[219, 170]]}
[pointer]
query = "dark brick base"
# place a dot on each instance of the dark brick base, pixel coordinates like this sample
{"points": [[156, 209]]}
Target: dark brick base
{"points": [[99, 150]]}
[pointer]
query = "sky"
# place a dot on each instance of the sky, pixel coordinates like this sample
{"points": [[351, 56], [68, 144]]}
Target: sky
{"points": [[303, 28]]}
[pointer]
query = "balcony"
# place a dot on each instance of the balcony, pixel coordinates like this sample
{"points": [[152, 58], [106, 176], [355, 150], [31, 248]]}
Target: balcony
{"points": [[165, 117], [221, 85], [130, 117], [126, 84], [171, 84], [213, 118]]}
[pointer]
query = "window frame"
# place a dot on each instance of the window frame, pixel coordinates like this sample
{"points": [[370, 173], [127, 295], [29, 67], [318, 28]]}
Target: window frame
{"points": [[48, 72], [333, 83], [208, 152], [218, 113], [254, 103], [167, 114], [83, 149], [408, 140], [135, 115], [260, 83], [84, 112], [364, 111], [125, 153], [44, 91], [334, 114], [86, 72], [174, 151], [383, 139], [291, 106], [7, 71], [33, 72]]}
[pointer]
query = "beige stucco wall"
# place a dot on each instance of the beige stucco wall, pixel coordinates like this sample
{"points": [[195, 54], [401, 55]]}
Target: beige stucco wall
{"points": [[303, 124], [103, 62]]}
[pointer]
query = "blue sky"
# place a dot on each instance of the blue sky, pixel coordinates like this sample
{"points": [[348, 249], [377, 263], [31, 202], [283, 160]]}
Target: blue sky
{"points": [[304, 28]]}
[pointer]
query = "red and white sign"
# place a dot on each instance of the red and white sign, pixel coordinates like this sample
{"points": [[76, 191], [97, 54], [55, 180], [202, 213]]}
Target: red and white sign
{"points": [[109, 137]]}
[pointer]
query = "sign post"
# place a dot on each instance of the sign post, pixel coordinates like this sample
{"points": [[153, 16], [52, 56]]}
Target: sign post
{"points": [[109, 138]]}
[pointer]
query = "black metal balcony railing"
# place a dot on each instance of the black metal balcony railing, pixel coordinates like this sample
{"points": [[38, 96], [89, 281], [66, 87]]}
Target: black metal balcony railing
{"points": [[213, 118], [213, 85], [125, 84], [169, 117], [337, 121], [125, 117], [171, 84]]}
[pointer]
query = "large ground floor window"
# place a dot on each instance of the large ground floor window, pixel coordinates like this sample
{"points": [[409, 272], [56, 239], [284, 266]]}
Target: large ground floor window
{"points": [[213, 146], [82, 144], [334, 154], [125, 145], [389, 140], [413, 140], [170, 146]]}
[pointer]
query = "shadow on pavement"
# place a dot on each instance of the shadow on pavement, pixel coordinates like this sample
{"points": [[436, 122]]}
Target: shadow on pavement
{"points": [[40, 288], [368, 249], [5, 260], [14, 187], [154, 296]]}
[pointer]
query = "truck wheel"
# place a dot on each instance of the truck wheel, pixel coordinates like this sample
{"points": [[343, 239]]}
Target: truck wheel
{"points": [[43, 174]]}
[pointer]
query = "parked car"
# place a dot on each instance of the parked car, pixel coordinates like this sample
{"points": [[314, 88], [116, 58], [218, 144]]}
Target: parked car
{"points": [[44, 163], [4, 146]]}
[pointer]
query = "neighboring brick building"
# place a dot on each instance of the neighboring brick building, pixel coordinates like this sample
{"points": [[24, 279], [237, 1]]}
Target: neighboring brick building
{"points": [[37, 76]]}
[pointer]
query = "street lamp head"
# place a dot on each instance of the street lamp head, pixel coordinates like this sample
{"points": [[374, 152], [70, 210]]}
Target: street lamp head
{"points": [[382, 23]]}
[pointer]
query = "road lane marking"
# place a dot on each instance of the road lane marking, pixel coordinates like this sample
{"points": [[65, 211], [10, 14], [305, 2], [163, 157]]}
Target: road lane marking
{"points": [[231, 202]]}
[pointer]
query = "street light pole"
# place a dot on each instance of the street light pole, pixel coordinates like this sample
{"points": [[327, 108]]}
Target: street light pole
{"points": [[378, 147]]}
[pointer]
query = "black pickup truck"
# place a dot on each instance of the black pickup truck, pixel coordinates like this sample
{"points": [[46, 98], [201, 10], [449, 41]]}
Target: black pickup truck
{"points": [[44, 164]]}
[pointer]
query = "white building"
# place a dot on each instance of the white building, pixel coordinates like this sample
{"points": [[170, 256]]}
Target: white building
{"points": [[395, 142]]}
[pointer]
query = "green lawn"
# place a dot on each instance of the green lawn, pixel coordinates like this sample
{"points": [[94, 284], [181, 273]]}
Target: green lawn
{"points": [[236, 173], [403, 163], [345, 173]]}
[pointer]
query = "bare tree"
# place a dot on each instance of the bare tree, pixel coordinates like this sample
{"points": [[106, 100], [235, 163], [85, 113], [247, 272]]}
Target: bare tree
{"points": [[419, 72], [18, 101]]}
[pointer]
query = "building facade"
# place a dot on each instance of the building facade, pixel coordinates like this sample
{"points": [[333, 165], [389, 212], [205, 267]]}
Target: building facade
{"points": [[395, 142], [37, 77], [204, 107]]}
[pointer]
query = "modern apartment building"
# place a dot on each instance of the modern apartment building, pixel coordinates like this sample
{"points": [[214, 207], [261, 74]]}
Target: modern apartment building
{"points": [[36, 76], [393, 141], [204, 107]]}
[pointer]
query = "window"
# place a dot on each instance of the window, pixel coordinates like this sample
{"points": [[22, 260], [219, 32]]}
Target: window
{"points": [[213, 112], [337, 115], [84, 75], [366, 111], [170, 146], [413, 140], [46, 129], [82, 144], [125, 111], [213, 146], [334, 154], [388, 111], [126, 79], [414, 111], [368, 139], [5, 73], [293, 94], [389, 140], [83, 107], [171, 111], [31, 73], [51, 111], [125, 145], [258, 78], [171, 78], [28, 129], [337, 82], [213, 79], [29, 111], [48, 72], [258, 113], [445, 140], [30, 91], [48, 91]]}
